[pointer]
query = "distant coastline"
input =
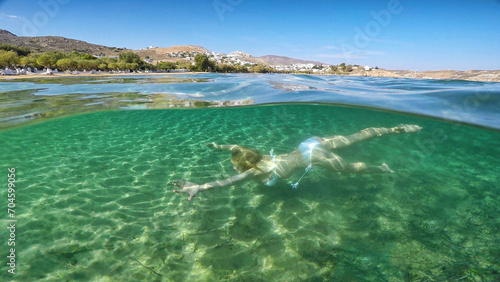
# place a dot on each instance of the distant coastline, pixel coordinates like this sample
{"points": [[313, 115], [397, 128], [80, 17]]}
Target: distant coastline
{"points": [[20, 55], [473, 75]]}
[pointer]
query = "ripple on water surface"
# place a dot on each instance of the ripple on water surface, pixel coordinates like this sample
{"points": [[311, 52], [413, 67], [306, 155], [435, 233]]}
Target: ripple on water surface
{"points": [[25, 100]]}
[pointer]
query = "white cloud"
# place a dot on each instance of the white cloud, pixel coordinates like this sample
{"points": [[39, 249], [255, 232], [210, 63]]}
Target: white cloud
{"points": [[12, 17]]}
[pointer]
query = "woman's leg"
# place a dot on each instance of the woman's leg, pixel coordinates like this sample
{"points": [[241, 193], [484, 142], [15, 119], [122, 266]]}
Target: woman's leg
{"points": [[364, 168], [322, 157], [338, 141]]}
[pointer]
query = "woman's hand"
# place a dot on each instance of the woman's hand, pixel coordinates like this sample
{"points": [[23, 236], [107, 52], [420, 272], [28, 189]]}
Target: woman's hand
{"points": [[187, 187], [211, 145]]}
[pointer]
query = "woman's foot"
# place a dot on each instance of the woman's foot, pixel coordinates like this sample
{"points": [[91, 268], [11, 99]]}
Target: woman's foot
{"points": [[385, 168], [406, 128]]}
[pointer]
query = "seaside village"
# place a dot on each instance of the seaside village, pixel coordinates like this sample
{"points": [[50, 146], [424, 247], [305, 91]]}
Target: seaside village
{"points": [[242, 59], [236, 58]]}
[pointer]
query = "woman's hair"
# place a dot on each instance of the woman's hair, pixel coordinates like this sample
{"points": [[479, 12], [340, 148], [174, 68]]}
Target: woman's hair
{"points": [[245, 158]]}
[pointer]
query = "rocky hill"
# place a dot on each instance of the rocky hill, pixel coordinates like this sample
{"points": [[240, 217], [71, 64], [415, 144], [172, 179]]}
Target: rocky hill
{"points": [[56, 43], [162, 54], [62, 44], [281, 60], [248, 58]]}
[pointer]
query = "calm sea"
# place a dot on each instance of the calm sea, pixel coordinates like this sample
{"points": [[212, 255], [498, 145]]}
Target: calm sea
{"points": [[93, 157]]}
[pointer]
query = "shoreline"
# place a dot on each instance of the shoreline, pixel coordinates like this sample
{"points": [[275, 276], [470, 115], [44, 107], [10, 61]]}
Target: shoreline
{"points": [[470, 75], [83, 74]]}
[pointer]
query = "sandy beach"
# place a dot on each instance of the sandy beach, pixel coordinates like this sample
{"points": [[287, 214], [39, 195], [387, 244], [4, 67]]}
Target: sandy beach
{"points": [[471, 75], [83, 74]]}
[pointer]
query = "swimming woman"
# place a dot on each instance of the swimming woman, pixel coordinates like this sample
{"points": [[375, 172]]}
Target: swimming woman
{"points": [[315, 151]]}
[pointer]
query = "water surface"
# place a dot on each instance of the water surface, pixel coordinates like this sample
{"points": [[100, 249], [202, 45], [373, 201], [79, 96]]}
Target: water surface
{"points": [[25, 100]]}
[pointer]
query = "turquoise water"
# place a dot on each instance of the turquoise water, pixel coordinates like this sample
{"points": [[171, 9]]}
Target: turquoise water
{"points": [[92, 201]]}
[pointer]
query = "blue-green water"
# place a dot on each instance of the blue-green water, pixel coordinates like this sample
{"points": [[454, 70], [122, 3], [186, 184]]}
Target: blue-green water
{"points": [[92, 201]]}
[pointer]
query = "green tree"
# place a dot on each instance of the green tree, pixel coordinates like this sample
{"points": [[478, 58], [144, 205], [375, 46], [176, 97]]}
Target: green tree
{"points": [[82, 65], [8, 58], [67, 64], [87, 64], [225, 68], [29, 61], [147, 66], [166, 66], [261, 69], [21, 51], [343, 67], [183, 64], [202, 63], [121, 65], [240, 68], [89, 57], [108, 61], [48, 60], [130, 57], [132, 66]]}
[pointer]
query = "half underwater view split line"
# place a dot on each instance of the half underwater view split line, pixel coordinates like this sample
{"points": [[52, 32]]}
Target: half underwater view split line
{"points": [[91, 161]]}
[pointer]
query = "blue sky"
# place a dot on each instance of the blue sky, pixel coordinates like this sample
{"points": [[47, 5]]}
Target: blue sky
{"points": [[393, 34]]}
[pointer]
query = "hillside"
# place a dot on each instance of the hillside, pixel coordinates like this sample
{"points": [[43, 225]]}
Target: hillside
{"points": [[281, 60], [56, 43], [162, 54], [247, 58], [62, 44]]}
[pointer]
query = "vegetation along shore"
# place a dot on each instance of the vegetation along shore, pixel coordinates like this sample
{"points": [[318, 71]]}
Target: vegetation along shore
{"points": [[50, 55]]}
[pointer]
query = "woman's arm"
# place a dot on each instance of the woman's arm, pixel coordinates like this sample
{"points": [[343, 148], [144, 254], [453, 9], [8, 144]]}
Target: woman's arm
{"points": [[192, 188], [222, 147]]}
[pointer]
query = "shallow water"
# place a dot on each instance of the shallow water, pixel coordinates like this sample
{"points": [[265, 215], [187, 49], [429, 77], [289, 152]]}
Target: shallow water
{"points": [[93, 202]]}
